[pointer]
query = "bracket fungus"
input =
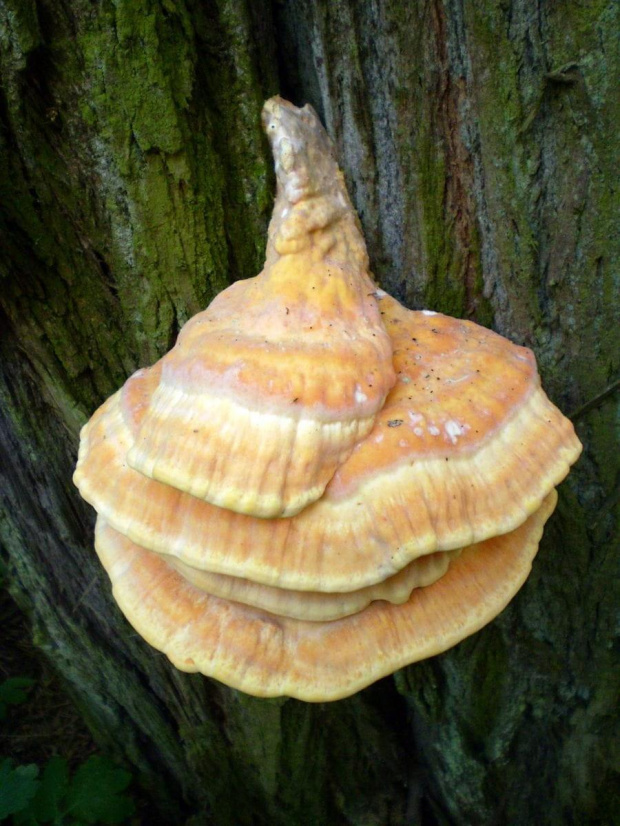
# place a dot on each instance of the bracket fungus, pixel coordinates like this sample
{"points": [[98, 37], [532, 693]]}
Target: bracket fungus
{"points": [[317, 486], [287, 369]]}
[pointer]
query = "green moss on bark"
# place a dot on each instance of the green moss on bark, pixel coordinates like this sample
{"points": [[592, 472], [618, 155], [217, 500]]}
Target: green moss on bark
{"points": [[131, 202]]}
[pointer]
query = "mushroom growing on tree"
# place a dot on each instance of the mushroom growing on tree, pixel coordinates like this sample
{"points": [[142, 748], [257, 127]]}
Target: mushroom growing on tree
{"points": [[288, 369], [317, 486]]}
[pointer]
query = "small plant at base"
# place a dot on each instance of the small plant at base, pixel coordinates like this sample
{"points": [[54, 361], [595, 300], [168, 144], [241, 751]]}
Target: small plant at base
{"points": [[94, 793], [13, 692]]}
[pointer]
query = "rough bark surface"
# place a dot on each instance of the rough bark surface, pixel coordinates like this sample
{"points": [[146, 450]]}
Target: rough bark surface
{"points": [[478, 142]]}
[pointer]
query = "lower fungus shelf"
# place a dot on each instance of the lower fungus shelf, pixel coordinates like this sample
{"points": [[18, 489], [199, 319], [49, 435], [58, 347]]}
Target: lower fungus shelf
{"points": [[314, 606], [268, 655]]}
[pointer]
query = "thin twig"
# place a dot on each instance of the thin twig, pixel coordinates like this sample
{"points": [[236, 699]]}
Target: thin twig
{"points": [[589, 405], [608, 505]]}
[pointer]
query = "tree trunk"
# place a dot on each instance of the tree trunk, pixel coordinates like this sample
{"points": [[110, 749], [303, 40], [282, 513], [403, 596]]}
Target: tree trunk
{"points": [[478, 141]]}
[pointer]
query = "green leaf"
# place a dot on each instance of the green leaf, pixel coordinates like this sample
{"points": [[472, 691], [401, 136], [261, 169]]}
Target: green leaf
{"points": [[46, 805], [95, 792], [17, 787], [13, 692]]}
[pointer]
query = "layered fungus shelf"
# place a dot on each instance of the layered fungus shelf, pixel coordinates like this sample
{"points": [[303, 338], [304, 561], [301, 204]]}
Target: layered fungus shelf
{"points": [[317, 486]]}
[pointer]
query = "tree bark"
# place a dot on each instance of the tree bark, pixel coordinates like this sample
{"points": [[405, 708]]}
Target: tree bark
{"points": [[478, 141]]}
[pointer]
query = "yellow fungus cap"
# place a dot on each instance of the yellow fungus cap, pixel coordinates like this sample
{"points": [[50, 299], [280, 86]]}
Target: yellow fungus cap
{"points": [[267, 391]]}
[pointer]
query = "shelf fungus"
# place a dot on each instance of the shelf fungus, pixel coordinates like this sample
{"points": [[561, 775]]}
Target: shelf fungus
{"points": [[317, 486], [288, 369]]}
